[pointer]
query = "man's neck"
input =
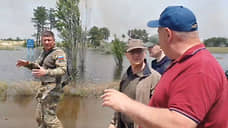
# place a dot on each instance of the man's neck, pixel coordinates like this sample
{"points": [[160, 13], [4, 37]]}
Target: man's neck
{"points": [[159, 58], [137, 68], [182, 47]]}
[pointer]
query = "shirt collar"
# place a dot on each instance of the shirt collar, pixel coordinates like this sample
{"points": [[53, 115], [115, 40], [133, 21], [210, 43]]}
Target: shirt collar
{"points": [[145, 72], [190, 52]]}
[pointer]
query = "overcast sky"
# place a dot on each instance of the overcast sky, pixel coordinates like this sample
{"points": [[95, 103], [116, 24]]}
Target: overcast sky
{"points": [[118, 15]]}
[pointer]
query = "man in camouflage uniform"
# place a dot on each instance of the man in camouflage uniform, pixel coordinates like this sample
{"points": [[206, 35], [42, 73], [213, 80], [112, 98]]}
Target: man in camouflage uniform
{"points": [[49, 67]]}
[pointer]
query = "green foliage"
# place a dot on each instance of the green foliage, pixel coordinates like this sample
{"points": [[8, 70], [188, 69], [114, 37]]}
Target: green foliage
{"points": [[68, 21], [68, 24], [11, 39], [216, 42], [138, 34], [118, 49], [105, 33], [96, 35], [51, 18], [153, 39], [40, 20], [40, 16]]}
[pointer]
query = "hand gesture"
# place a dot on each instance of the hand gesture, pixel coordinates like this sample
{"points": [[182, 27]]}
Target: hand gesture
{"points": [[22, 63], [39, 72], [115, 100]]}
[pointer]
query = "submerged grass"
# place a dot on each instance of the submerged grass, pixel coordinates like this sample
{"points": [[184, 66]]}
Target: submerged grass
{"points": [[8, 48], [24, 88], [29, 88], [89, 90], [3, 90]]}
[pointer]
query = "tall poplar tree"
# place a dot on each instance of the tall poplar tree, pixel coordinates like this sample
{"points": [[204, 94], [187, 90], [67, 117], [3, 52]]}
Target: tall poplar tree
{"points": [[69, 25], [40, 20]]}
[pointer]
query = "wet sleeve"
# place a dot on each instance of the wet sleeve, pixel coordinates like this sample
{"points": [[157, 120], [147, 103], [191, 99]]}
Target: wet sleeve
{"points": [[60, 63]]}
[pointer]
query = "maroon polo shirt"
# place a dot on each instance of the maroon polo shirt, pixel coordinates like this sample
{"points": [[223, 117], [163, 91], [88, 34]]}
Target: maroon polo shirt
{"points": [[196, 87]]}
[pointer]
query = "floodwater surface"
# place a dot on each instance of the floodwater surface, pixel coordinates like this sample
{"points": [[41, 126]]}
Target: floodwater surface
{"points": [[74, 112]]}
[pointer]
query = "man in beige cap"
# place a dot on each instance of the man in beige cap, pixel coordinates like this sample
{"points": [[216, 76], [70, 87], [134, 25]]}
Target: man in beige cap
{"points": [[138, 82]]}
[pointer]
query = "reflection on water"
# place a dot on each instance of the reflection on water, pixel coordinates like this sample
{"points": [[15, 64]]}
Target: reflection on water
{"points": [[22, 101], [68, 111], [117, 72], [74, 112]]}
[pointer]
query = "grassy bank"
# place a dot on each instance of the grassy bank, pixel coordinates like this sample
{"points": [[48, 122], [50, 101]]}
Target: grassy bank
{"points": [[10, 45], [218, 49], [3, 90], [29, 88]]}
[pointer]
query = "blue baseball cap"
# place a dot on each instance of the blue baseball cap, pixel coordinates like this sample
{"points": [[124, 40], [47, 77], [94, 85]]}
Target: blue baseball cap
{"points": [[177, 18]]}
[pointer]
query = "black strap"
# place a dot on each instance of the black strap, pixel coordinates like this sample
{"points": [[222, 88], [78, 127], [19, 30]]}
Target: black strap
{"points": [[45, 55]]}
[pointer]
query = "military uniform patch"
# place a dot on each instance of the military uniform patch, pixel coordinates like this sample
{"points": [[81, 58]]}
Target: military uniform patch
{"points": [[60, 58]]}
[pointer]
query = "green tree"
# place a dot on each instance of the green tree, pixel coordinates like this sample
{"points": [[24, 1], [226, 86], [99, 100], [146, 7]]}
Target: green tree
{"points": [[69, 26], [105, 33], [51, 18], [216, 42], [95, 36], [118, 48], [40, 17], [153, 39], [138, 34], [123, 36]]}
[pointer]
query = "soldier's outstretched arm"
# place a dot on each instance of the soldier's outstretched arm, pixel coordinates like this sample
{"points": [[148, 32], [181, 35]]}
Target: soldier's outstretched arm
{"points": [[27, 64]]}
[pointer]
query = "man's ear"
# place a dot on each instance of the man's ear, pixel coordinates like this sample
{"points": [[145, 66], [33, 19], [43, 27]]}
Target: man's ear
{"points": [[145, 53], [169, 34]]}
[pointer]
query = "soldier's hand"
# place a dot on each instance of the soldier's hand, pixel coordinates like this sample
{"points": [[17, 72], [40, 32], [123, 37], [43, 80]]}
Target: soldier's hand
{"points": [[22, 63], [39, 72]]}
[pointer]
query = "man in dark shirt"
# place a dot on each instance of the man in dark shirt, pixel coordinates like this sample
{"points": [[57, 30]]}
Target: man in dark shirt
{"points": [[161, 61]]}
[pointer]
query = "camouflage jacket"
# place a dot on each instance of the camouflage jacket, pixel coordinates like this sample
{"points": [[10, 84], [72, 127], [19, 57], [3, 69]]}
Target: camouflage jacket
{"points": [[54, 61]]}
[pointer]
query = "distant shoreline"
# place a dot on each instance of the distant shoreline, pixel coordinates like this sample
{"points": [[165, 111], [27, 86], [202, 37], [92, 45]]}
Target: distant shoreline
{"points": [[9, 45]]}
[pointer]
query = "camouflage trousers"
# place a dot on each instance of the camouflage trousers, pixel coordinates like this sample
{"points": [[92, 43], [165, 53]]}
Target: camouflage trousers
{"points": [[48, 97]]}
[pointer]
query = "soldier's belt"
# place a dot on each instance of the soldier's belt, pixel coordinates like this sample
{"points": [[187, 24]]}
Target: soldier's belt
{"points": [[46, 83]]}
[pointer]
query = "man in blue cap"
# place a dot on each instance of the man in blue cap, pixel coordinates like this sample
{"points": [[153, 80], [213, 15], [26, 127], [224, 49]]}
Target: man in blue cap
{"points": [[192, 93]]}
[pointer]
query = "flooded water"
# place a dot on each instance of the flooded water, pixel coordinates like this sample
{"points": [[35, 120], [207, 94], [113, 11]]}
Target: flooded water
{"points": [[74, 112], [99, 68]]}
